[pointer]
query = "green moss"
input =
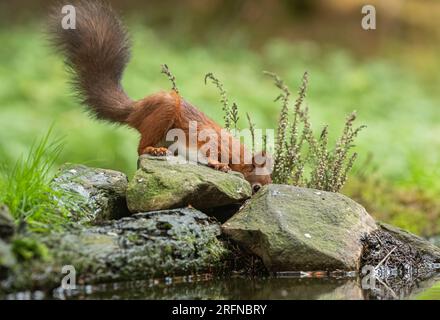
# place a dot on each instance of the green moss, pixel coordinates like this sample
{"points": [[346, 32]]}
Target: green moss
{"points": [[293, 228], [133, 237], [163, 184], [128, 249], [216, 251], [7, 258], [168, 250], [26, 249], [157, 186]]}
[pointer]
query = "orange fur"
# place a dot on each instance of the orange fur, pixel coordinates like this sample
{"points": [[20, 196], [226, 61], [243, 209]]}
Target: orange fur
{"points": [[97, 52], [156, 114]]}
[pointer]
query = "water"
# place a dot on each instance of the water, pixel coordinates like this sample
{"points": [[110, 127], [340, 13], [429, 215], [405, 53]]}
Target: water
{"points": [[298, 286]]}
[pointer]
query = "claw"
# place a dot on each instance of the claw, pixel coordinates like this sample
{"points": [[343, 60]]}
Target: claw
{"points": [[219, 166], [157, 152]]}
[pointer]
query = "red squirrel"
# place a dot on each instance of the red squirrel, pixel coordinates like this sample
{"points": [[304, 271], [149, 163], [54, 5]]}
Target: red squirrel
{"points": [[96, 52]]}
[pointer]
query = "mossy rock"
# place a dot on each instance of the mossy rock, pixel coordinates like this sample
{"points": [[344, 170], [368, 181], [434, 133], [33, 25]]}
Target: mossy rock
{"points": [[165, 183], [93, 194], [145, 245], [293, 228], [7, 225], [416, 242], [7, 259]]}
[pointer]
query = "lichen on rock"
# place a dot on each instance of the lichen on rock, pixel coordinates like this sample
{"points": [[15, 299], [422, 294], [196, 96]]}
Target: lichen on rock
{"points": [[94, 195], [294, 228], [166, 183], [145, 245]]}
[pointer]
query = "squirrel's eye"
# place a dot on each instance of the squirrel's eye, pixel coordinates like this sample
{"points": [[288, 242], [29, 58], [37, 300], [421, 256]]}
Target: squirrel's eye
{"points": [[256, 187]]}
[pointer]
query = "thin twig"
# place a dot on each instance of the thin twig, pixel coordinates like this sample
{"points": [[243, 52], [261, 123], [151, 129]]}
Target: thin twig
{"points": [[171, 77], [384, 259]]}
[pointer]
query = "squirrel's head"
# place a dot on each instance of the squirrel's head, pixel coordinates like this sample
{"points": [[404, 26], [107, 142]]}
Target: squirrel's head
{"points": [[259, 172]]}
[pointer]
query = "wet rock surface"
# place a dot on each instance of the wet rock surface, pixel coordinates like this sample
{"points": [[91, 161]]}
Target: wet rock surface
{"points": [[98, 194], [145, 245], [281, 228], [293, 228], [166, 183]]}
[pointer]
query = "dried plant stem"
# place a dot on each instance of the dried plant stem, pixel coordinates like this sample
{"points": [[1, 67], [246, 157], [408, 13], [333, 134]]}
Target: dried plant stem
{"points": [[299, 151], [171, 77], [234, 115], [223, 98], [252, 129], [264, 148], [281, 160]]}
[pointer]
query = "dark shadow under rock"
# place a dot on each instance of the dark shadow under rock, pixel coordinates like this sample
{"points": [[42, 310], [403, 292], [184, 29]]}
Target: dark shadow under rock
{"points": [[223, 213]]}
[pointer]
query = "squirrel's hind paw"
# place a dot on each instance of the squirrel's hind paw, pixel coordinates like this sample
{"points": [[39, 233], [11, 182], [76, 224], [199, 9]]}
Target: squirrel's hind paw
{"points": [[219, 166], [157, 152]]}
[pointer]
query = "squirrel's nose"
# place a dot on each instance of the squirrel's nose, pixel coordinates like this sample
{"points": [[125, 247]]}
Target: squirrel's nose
{"points": [[256, 187]]}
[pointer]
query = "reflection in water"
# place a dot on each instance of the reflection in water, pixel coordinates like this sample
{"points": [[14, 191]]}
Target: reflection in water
{"points": [[327, 288]]}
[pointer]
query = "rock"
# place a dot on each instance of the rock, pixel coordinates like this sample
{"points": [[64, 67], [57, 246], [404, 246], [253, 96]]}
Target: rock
{"points": [[98, 192], [7, 225], [435, 240], [161, 184], [293, 228], [416, 242], [151, 244], [7, 259], [400, 261], [145, 245]]}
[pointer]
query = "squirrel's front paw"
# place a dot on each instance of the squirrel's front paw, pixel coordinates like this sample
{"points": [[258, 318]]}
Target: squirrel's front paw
{"points": [[219, 166], [157, 152]]}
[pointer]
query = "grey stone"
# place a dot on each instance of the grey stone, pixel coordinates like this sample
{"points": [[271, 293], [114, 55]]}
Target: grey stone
{"points": [[145, 245], [293, 228], [7, 225], [164, 184], [92, 194]]}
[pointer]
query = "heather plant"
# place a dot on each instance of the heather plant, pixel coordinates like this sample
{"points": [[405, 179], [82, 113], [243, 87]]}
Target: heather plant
{"points": [[230, 113], [234, 115], [252, 130], [302, 159], [282, 162], [166, 71]]}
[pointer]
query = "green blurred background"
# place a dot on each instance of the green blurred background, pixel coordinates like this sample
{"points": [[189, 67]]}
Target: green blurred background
{"points": [[389, 75]]}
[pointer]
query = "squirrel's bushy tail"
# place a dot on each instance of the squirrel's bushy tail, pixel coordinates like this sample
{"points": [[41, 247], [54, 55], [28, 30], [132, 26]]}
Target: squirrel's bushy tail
{"points": [[96, 52]]}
